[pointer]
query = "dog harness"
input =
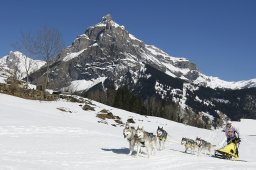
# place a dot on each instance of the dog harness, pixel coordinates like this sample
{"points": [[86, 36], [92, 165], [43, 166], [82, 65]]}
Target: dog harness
{"points": [[161, 137], [200, 143]]}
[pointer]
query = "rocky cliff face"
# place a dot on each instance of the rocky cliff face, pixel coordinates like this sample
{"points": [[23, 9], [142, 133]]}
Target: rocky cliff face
{"points": [[107, 63], [108, 50]]}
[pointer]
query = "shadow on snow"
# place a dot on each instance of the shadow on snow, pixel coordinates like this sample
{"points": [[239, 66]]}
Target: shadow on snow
{"points": [[182, 152], [117, 151]]}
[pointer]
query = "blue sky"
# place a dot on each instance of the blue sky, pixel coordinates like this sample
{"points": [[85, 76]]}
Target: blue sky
{"points": [[219, 36]]}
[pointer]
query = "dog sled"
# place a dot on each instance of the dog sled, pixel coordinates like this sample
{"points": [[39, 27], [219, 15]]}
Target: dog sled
{"points": [[230, 151]]}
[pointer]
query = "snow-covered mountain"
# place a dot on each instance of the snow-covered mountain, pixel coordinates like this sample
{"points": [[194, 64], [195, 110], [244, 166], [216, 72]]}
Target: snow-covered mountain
{"points": [[107, 49], [215, 82], [19, 63], [60, 135], [109, 64]]}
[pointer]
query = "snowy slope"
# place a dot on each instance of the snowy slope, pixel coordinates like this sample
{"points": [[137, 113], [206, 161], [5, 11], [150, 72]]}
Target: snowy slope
{"points": [[18, 61], [35, 135], [215, 82], [80, 85]]}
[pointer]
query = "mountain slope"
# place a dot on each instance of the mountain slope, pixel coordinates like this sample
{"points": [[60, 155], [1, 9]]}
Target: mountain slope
{"points": [[37, 135], [110, 65], [108, 50]]}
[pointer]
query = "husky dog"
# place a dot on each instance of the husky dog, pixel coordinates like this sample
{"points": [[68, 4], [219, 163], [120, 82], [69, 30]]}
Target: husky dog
{"points": [[146, 139], [204, 145], [161, 136], [129, 133], [189, 144]]}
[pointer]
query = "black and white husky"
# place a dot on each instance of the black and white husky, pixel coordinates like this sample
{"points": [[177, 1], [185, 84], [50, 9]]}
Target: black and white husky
{"points": [[129, 133], [147, 140], [161, 137]]}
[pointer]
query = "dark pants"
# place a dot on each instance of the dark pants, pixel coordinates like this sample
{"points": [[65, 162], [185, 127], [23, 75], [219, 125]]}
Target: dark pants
{"points": [[229, 140]]}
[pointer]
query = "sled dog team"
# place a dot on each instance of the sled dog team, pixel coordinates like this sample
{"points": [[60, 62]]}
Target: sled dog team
{"points": [[198, 144], [140, 138]]}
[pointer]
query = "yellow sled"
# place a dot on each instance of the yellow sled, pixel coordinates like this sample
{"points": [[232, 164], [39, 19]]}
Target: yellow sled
{"points": [[229, 151]]}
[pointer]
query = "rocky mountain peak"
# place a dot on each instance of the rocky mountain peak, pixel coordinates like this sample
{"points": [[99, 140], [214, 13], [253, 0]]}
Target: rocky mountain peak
{"points": [[13, 58], [107, 58], [18, 62], [15, 55], [108, 22], [107, 49], [104, 32], [120, 51], [107, 18]]}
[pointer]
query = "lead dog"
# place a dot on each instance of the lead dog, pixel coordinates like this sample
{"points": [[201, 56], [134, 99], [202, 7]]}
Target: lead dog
{"points": [[129, 133], [146, 139], [161, 136]]}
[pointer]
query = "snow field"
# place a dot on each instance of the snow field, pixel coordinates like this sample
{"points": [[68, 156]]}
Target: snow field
{"points": [[36, 135]]}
